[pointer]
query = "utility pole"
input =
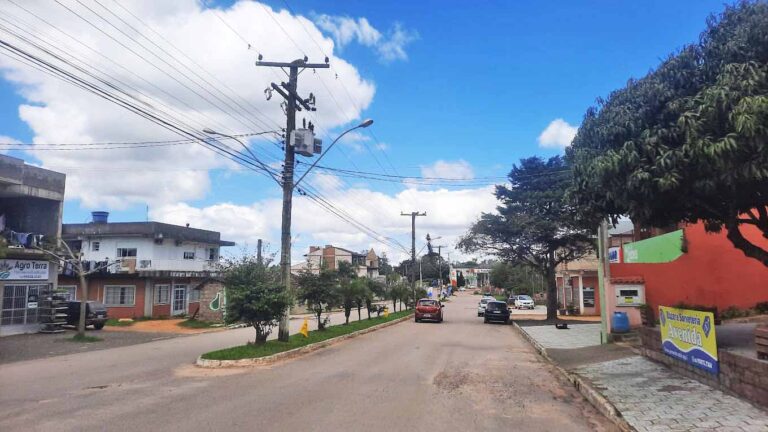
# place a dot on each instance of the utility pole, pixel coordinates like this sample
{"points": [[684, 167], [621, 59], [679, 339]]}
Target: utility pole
{"points": [[258, 251], [412, 274], [294, 103]]}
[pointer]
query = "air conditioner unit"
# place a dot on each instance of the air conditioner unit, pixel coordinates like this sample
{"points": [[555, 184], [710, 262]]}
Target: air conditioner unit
{"points": [[303, 142]]}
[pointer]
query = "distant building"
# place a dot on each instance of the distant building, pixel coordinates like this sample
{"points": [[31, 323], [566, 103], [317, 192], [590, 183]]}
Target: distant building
{"points": [[160, 269], [366, 264], [30, 215]]}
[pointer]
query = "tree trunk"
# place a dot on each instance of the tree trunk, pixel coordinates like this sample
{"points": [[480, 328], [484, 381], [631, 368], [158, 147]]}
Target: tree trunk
{"points": [[368, 306], [261, 335], [358, 312], [83, 304], [551, 294], [319, 314], [744, 245], [347, 312]]}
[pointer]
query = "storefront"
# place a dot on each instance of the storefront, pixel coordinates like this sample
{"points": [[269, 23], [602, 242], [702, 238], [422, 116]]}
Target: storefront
{"points": [[23, 283]]}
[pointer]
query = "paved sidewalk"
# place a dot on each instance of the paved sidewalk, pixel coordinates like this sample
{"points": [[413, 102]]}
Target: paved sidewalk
{"points": [[648, 396], [651, 397], [575, 336]]}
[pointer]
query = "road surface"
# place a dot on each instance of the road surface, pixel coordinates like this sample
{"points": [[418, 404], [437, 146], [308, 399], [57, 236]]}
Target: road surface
{"points": [[458, 375]]}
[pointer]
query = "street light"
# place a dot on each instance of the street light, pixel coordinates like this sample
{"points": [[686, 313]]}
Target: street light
{"points": [[364, 124], [261, 164]]}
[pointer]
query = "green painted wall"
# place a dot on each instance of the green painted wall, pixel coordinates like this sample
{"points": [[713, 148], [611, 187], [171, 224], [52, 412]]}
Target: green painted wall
{"points": [[660, 249]]}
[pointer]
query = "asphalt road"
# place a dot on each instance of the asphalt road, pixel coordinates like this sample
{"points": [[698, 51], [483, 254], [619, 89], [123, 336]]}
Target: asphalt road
{"points": [[458, 375]]}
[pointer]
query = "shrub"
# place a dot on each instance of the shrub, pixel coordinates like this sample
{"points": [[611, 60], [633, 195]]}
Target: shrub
{"points": [[762, 307]]}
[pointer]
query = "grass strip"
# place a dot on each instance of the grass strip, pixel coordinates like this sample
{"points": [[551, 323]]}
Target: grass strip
{"points": [[114, 322], [297, 340], [196, 324]]}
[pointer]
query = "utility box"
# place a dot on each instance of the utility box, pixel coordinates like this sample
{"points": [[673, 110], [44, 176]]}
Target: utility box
{"points": [[629, 295], [303, 142], [318, 146]]}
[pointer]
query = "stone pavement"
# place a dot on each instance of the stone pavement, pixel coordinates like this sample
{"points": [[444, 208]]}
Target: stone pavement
{"points": [[576, 336], [648, 396], [651, 397]]}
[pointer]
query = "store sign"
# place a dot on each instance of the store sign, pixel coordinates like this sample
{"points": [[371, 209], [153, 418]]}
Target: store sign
{"points": [[614, 255], [11, 269], [689, 336]]}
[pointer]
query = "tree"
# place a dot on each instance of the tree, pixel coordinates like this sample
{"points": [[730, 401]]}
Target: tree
{"points": [[255, 295], [318, 292], [361, 293], [375, 289], [62, 254], [518, 279], [689, 141], [534, 224], [460, 281]]}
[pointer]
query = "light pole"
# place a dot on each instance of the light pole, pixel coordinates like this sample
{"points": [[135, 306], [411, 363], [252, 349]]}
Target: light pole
{"points": [[261, 164], [364, 124]]}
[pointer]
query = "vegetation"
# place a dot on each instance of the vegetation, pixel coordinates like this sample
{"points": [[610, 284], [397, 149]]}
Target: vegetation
{"points": [[114, 322], [689, 141], [516, 278], [319, 292], [196, 324], [255, 295], [298, 340], [534, 224]]}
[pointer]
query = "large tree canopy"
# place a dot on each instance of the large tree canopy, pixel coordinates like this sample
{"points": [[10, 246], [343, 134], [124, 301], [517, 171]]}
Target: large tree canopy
{"points": [[689, 141], [534, 224]]}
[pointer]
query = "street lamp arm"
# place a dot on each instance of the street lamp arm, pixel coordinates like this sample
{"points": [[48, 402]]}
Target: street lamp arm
{"points": [[364, 124]]}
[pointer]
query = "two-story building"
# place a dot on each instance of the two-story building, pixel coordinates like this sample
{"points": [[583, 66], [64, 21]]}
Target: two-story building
{"points": [[30, 217], [153, 269], [365, 264]]}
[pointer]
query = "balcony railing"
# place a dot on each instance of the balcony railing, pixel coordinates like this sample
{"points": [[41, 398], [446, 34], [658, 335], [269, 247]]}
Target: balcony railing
{"points": [[177, 265]]}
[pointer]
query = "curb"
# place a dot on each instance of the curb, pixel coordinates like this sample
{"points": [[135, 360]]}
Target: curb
{"points": [[582, 385], [296, 352]]}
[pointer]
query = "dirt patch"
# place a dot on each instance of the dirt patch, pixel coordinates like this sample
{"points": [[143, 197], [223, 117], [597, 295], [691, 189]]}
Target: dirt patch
{"points": [[161, 326]]}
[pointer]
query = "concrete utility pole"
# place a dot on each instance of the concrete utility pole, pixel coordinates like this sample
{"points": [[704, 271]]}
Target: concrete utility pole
{"points": [[258, 251], [294, 103], [412, 274]]}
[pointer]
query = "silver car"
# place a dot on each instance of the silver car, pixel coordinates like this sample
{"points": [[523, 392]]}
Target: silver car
{"points": [[481, 306], [524, 302]]}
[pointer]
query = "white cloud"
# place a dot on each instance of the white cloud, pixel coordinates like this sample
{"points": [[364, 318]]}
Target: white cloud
{"points": [[58, 112], [389, 46], [558, 134], [449, 214], [459, 170]]}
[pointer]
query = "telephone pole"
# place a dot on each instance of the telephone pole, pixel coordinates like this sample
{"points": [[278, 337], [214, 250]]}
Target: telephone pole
{"points": [[294, 103], [412, 274]]}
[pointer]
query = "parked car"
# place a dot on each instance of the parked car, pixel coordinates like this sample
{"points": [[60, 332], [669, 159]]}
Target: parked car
{"points": [[524, 302], [95, 314], [496, 311], [481, 306], [462, 289], [428, 309]]}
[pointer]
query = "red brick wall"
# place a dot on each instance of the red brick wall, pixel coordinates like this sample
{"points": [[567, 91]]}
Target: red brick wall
{"points": [[96, 292], [711, 273]]}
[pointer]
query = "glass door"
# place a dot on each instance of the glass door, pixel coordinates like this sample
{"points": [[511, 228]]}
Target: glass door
{"points": [[179, 300], [20, 304]]}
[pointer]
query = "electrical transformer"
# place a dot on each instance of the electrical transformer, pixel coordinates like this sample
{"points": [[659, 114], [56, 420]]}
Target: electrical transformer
{"points": [[318, 146], [303, 142]]}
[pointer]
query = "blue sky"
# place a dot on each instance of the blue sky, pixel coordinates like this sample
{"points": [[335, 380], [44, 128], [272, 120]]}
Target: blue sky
{"points": [[476, 82]]}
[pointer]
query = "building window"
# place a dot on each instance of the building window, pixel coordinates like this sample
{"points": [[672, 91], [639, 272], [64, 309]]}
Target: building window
{"points": [[95, 246], [126, 252], [119, 295], [69, 292], [162, 294], [212, 254], [189, 255], [194, 295]]}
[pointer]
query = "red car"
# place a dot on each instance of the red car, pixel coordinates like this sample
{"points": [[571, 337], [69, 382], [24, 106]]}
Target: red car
{"points": [[427, 309]]}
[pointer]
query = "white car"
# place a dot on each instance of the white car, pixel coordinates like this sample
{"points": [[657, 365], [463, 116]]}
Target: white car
{"points": [[481, 306], [524, 302]]}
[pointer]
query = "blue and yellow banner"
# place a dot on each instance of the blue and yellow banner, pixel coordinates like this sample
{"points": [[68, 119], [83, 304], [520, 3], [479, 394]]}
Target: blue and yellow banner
{"points": [[689, 336]]}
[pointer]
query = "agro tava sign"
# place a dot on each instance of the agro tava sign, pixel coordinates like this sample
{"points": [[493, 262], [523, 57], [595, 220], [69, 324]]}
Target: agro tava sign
{"points": [[689, 336]]}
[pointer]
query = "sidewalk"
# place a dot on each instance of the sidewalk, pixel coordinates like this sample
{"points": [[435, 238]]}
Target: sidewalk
{"points": [[644, 395]]}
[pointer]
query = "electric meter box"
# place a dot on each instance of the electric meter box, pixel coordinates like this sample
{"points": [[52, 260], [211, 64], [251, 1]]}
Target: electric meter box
{"points": [[303, 142], [629, 295]]}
